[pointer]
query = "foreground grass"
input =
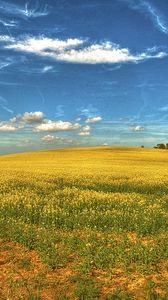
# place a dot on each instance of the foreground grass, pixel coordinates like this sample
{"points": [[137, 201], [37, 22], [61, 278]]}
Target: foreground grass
{"points": [[96, 220]]}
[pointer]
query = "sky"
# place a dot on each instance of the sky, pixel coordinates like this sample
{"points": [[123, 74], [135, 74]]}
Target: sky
{"points": [[83, 73]]}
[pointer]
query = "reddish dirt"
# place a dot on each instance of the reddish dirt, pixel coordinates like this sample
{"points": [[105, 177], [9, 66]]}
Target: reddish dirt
{"points": [[22, 273]]}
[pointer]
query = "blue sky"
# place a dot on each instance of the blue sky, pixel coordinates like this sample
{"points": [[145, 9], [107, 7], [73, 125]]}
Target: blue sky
{"points": [[83, 72]]}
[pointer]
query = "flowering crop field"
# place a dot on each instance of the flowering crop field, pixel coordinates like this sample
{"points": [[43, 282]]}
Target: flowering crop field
{"points": [[85, 223]]}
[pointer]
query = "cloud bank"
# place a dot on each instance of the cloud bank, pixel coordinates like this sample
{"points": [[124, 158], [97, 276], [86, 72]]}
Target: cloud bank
{"points": [[77, 51]]}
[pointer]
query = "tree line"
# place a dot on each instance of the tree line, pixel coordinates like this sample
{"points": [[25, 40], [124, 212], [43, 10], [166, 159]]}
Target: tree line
{"points": [[161, 146]]}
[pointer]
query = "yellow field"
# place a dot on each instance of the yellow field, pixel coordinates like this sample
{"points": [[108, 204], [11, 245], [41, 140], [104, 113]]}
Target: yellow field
{"points": [[94, 221]]}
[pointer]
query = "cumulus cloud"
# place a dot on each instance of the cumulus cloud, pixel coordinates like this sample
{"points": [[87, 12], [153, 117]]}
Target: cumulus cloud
{"points": [[35, 121], [32, 117], [94, 119], [84, 133], [52, 126], [7, 127], [78, 51], [13, 120]]}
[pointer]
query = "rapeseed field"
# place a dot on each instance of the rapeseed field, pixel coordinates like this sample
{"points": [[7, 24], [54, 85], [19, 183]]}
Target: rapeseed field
{"points": [[89, 223]]}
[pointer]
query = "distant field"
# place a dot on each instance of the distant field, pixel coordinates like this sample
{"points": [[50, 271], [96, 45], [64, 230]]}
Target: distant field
{"points": [[87, 223]]}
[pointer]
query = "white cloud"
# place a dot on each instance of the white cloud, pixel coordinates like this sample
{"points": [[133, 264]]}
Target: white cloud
{"points": [[48, 138], [34, 12], [86, 128], [7, 39], [13, 120], [84, 133], [31, 9], [60, 140], [138, 128], [21, 126], [78, 51], [47, 69], [52, 126], [78, 119], [37, 116], [7, 127], [100, 53], [44, 46], [94, 120], [4, 64], [8, 23]]}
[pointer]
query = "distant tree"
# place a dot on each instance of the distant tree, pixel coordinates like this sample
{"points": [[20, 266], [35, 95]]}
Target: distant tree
{"points": [[142, 146], [161, 146]]}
